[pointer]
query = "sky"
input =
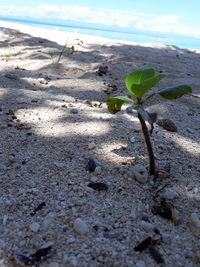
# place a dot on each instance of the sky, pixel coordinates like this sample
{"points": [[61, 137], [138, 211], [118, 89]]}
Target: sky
{"points": [[176, 17]]}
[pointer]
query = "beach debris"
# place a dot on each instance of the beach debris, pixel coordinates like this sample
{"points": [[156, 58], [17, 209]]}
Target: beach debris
{"points": [[166, 211], [21, 126], [17, 32], [102, 70], [91, 165], [195, 224], [80, 226], [151, 243], [140, 173], [163, 209], [167, 125], [19, 68], [98, 186], [88, 103], [11, 115], [74, 111], [143, 245], [156, 255], [175, 218], [39, 207], [40, 255], [110, 88], [162, 174]]}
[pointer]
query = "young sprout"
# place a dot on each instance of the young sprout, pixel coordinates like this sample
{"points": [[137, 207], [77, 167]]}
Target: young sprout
{"points": [[138, 84]]}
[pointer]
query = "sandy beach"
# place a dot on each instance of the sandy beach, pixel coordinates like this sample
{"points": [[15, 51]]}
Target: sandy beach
{"points": [[54, 118]]}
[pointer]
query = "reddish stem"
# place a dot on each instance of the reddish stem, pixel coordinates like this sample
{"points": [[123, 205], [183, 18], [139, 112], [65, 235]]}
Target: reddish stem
{"points": [[148, 144]]}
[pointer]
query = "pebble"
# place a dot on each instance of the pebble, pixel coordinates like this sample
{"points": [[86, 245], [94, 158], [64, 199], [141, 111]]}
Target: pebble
{"points": [[140, 173], [147, 226], [5, 218], [80, 226], [74, 111], [21, 100], [167, 125], [91, 145], [59, 164], [94, 179], [34, 227], [91, 165], [98, 170], [132, 139], [2, 167], [195, 224], [170, 194]]}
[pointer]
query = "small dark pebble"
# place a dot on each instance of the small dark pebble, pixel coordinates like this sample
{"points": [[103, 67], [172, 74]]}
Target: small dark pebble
{"points": [[91, 165], [144, 244], [98, 186], [163, 209], [102, 70], [156, 255], [29, 134], [96, 227], [39, 207], [37, 257], [167, 125]]}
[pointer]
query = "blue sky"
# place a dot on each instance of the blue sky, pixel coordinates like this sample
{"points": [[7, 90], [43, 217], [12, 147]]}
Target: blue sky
{"points": [[180, 17]]}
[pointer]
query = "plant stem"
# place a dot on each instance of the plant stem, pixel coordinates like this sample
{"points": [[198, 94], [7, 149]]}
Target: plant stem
{"points": [[148, 144]]}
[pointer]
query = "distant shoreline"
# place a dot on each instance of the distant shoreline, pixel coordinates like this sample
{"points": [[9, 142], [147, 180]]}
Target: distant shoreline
{"points": [[103, 33]]}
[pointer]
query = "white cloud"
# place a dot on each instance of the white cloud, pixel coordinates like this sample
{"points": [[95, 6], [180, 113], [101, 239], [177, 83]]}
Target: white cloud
{"points": [[115, 18]]}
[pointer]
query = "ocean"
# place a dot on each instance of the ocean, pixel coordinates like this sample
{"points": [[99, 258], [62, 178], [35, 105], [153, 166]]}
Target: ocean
{"points": [[154, 38]]}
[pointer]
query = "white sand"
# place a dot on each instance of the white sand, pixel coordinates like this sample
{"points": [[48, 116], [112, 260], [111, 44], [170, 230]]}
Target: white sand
{"points": [[48, 131]]}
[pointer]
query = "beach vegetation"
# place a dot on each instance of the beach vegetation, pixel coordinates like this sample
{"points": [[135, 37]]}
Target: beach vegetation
{"points": [[72, 49], [138, 83]]}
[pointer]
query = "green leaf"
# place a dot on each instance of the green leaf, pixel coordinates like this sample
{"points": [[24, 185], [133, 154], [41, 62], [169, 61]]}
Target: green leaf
{"points": [[142, 80], [151, 118], [114, 104], [175, 92]]}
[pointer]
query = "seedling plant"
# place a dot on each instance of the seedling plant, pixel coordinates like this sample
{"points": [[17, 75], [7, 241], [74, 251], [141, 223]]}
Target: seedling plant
{"points": [[138, 84], [72, 49]]}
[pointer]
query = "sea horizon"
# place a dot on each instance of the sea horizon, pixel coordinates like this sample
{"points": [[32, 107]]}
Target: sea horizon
{"points": [[110, 33]]}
